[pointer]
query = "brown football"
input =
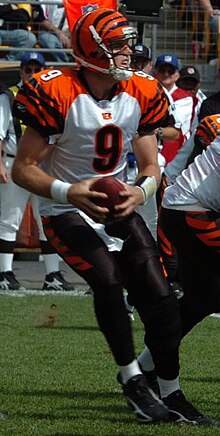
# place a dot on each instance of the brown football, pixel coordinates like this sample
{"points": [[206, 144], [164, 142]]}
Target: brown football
{"points": [[111, 187]]}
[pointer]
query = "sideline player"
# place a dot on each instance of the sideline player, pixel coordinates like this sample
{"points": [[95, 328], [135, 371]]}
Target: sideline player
{"points": [[81, 124], [13, 198]]}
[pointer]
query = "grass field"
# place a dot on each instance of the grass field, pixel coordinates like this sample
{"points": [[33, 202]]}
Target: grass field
{"points": [[60, 380]]}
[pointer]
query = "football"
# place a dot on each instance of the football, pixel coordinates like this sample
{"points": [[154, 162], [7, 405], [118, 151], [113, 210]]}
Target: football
{"points": [[111, 187]]}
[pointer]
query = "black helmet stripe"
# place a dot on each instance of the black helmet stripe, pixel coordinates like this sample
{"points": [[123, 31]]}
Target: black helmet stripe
{"points": [[105, 14], [79, 47]]}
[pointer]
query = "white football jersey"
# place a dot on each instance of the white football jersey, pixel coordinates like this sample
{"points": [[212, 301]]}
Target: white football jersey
{"points": [[197, 188], [90, 138]]}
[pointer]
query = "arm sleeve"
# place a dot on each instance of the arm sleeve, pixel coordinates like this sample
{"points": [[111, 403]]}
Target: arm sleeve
{"points": [[38, 109], [157, 112]]}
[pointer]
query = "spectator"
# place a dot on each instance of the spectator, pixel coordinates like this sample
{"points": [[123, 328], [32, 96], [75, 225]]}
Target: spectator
{"points": [[167, 72], [189, 79], [14, 30], [13, 199], [55, 33], [71, 145], [141, 58], [212, 8]]}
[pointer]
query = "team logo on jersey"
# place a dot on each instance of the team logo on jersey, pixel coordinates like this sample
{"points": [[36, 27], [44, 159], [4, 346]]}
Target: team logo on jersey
{"points": [[88, 8], [107, 116]]}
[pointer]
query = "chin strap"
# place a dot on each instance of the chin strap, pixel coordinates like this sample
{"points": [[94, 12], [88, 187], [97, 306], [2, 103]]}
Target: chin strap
{"points": [[117, 73]]}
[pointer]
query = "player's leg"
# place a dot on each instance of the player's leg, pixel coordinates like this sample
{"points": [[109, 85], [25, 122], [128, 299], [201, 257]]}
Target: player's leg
{"points": [[144, 278], [199, 269], [13, 200], [86, 253], [197, 238], [167, 249], [159, 311]]}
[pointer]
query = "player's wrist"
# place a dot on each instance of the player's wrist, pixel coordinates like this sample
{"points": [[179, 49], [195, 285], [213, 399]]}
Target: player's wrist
{"points": [[142, 195], [59, 191], [148, 185]]}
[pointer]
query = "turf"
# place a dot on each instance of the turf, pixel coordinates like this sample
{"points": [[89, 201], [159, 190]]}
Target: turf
{"points": [[58, 376]]}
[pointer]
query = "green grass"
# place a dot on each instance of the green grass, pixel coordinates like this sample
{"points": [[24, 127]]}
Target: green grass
{"points": [[60, 380]]}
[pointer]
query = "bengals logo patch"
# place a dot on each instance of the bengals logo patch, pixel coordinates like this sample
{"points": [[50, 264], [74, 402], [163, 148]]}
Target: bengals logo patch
{"points": [[107, 116]]}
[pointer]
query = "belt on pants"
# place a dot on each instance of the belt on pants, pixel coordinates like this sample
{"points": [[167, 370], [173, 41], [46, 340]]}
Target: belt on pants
{"points": [[7, 154]]}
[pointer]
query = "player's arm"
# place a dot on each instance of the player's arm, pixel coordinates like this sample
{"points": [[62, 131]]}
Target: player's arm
{"points": [[169, 127], [145, 150], [26, 171], [148, 179], [28, 174]]}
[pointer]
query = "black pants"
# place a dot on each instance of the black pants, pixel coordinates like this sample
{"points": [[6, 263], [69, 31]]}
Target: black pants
{"points": [[196, 236], [137, 268]]}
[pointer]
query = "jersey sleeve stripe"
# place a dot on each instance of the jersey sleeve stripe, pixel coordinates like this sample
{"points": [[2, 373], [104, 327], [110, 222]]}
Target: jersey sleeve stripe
{"points": [[41, 111]]}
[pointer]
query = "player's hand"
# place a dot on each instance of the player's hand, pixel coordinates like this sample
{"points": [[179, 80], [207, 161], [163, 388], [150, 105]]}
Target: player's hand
{"points": [[4, 176], [80, 196], [133, 198]]}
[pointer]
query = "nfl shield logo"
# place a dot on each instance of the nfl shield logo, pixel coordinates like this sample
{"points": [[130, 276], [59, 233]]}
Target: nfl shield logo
{"points": [[88, 8]]}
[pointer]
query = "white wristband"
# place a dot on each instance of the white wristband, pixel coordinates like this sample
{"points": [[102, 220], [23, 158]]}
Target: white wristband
{"points": [[59, 190], [148, 187]]}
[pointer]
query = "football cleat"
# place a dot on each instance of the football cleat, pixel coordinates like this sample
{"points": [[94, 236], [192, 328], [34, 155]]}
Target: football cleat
{"points": [[177, 289], [182, 410], [151, 379], [145, 404], [8, 282], [56, 282], [152, 382]]}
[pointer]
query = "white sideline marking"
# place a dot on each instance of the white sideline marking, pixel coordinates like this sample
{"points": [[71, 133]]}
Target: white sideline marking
{"points": [[24, 293]]}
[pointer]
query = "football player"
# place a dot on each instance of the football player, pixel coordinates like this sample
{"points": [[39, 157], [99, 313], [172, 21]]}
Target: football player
{"points": [[80, 126], [193, 204]]}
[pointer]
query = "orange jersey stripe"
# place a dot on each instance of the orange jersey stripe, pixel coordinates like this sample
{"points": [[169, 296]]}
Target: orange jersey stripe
{"points": [[151, 98], [199, 224]]}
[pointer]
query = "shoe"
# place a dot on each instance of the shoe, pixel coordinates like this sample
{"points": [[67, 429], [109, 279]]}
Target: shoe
{"points": [[177, 289], [89, 291], [215, 315], [151, 379], [56, 282], [130, 309], [146, 405], [8, 282], [182, 410]]}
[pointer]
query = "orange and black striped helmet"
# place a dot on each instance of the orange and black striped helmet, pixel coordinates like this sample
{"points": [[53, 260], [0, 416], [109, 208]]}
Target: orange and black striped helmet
{"points": [[207, 130], [98, 35]]}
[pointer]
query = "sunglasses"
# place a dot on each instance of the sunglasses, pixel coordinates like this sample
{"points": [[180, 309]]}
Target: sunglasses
{"points": [[29, 70], [166, 69]]}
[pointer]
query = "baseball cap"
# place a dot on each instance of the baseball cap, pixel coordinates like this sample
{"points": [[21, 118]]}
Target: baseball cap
{"points": [[191, 72], [167, 59], [32, 57], [142, 51]]}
